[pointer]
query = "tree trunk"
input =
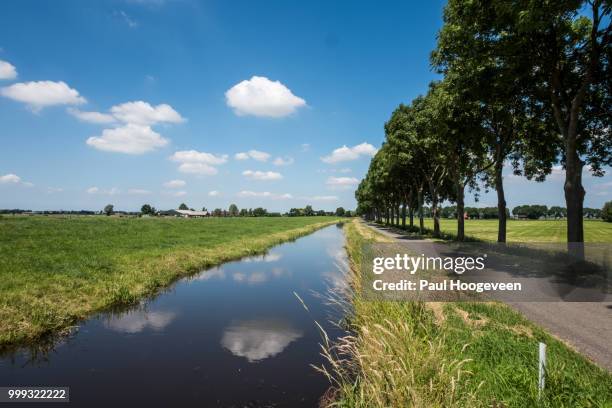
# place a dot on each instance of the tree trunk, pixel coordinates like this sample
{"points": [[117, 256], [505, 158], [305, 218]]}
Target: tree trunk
{"points": [[574, 195], [434, 209], [404, 216], [421, 221], [501, 201], [460, 209], [411, 212]]}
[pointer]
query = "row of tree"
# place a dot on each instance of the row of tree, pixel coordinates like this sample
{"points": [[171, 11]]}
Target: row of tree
{"points": [[525, 83]]}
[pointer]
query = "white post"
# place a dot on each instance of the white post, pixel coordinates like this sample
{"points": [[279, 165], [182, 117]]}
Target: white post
{"points": [[541, 369]]}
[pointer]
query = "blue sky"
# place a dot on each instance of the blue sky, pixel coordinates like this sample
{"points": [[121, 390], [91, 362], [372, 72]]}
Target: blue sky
{"points": [[257, 103]]}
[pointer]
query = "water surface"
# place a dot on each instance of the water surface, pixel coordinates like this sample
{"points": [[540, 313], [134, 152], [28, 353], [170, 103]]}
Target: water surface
{"points": [[235, 335]]}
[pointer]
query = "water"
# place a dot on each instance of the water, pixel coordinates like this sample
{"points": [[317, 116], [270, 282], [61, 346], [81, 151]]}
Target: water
{"points": [[235, 335]]}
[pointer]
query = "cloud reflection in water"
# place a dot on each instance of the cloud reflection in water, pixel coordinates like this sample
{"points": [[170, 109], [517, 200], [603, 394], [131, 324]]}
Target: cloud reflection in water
{"points": [[137, 320], [257, 340]]}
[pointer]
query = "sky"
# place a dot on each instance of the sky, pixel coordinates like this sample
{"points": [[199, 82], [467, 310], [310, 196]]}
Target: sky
{"points": [[273, 104]]}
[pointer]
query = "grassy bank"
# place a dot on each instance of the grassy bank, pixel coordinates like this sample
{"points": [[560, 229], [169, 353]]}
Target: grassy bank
{"points": [[526, 231], [57, 270], [413, 354]]}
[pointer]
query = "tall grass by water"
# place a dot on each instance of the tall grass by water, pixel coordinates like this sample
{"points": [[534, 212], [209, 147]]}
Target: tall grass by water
{"points": [[57, 270], [414, 354]]}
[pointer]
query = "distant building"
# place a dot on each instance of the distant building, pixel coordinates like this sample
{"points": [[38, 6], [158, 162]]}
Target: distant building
{"points": [[193, 214]]}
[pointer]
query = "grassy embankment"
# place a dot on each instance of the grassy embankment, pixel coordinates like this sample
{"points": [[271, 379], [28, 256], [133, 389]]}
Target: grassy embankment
{"points": [[57, 270], [525, 231], [413, 354]]}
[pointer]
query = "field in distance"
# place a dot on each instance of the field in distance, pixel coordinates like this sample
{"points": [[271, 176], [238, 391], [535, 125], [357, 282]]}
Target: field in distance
{"points": [[526, 231], [55, 270]]}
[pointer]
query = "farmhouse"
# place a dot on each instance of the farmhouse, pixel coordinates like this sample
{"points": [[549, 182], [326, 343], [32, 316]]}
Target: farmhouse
{"points": [[193, 214]]}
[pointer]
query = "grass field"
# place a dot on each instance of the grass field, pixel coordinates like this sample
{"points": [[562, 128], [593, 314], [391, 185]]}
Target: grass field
{"points": [[526, 231], [57, 270], [415, 354]]}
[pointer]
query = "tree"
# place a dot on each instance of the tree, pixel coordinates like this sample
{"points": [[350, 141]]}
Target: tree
{"points": [[183, 206], [146, 209], [606, 212], [204, 209], [260, 212], [308, 211], [218, 212], [109, 209], [340, 212], [233, 210], [244, 212]]}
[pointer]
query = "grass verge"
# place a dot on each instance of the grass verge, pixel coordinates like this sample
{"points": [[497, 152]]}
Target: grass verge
{"points": [[55, 271], [414, 354]]}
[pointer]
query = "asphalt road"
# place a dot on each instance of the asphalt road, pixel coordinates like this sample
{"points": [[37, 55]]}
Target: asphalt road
{"points": [[584, 326]]}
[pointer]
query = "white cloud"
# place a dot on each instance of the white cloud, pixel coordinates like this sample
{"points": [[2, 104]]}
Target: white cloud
{"points": [[10, 179], [180, 194], [253, 154], [14, 179], [214, 193], [305, 147], [194, 162], [138, 191], [346, 153], [142, 113], [341, 182], [283, 161], [40, 94], [128, 139], [264, 194], [262, 175], [91, 117], [7, 70], [96, 190], [175, 184], [260, 96]]}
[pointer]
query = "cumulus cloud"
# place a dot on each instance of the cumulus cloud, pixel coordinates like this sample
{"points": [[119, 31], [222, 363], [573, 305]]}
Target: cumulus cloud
{"points": [[346, 153], [194, 162], [262, 175], [143, 113], [40, 94], [260, 96], [10, 179], [175, 184], [341, 182], [7, 70], [264, 194], [283, 161], [214, 193], [91, 117], [129, 139], [252, 154]]}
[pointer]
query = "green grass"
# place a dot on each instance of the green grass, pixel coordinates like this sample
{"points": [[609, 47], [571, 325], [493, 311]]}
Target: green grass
{"points": [[415, 354], [526, 231], [57, 270]]}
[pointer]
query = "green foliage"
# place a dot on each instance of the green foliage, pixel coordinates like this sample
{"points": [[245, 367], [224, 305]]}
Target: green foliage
{"points": [[109, 209], [183, 206], [233, 210], [606, 212], [340, 212], [146, 209]]}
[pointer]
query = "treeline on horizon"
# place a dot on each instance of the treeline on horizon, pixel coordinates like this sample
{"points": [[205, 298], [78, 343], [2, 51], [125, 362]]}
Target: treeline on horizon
{"points": [[232, 211], [526, 87]]}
